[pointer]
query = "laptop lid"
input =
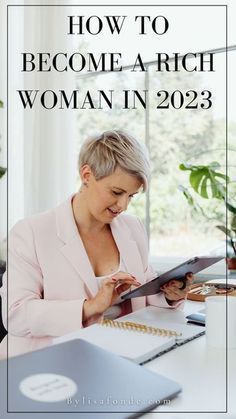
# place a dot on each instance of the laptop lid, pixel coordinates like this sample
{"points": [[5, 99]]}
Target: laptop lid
{"points": [[77, 376]]}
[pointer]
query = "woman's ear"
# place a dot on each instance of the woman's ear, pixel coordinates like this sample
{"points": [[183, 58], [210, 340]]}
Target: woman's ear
{"points": [[85, 173]]}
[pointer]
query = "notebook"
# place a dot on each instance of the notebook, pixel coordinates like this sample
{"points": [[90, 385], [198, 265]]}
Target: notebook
{"points": [[139, 336], [77, 376]]}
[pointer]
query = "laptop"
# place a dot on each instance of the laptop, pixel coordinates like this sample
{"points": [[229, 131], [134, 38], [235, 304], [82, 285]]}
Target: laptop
{"points": [[77, 376]]}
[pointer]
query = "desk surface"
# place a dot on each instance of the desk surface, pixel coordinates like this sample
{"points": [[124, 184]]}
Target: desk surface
{"points": [[208, 377]]}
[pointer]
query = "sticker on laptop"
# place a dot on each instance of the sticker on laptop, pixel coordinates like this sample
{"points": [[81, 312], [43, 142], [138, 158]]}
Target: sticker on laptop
{"points": [[48, 387]]}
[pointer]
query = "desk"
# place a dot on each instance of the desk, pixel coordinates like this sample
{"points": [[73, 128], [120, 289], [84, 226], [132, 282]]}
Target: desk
{"points": [[204, 375]]}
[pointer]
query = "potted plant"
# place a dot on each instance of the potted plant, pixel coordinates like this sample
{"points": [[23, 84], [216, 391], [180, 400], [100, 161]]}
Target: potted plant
{"points": [[209, 182]]}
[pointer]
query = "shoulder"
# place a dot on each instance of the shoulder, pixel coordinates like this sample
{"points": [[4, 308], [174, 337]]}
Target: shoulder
{"points": [[28, 224], [23, 236], [44, 223]]}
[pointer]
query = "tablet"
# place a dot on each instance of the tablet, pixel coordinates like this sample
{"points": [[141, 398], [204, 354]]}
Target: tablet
{"points": [[193, 265]]}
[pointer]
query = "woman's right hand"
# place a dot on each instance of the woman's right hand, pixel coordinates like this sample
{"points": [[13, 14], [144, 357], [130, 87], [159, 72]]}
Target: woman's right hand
{"points": [[108, 294]]}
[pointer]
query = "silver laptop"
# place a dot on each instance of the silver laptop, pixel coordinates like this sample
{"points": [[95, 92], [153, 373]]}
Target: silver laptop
{"points": [[77, 376]]}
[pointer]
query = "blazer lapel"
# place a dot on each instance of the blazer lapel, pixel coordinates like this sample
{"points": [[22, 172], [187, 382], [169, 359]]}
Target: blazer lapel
{"points": [[75, 252], [128, 249], [130, 255], [73, 248]]}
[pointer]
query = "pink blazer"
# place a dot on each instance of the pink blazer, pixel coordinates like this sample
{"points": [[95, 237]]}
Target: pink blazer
{"points": [[50, 276]]}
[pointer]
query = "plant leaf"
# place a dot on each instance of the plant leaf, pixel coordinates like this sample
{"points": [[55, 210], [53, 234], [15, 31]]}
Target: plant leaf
{"points": [[182, 166], [205, 180], [204, 193], [2, 171], [230, 207], [195, 179], [225, 230], [233, 222], [187, 195]]}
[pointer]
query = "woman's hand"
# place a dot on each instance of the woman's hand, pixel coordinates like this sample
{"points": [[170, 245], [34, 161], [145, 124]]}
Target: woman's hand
{"points": [[176, 290], [109, 292]]}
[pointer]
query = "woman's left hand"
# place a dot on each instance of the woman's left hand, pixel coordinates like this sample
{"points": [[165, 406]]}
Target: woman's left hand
{"points": [[176, 290]]}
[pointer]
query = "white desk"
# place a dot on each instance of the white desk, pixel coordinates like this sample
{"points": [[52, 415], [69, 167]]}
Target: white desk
{"points": [[204, 375]]}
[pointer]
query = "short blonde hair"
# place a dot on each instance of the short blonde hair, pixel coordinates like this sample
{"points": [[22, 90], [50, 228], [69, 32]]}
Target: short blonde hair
{"points": [[103, 153]]}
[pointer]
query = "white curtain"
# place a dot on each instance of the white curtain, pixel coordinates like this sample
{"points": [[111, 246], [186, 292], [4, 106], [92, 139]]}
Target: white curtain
{"points": [[42, 143]]}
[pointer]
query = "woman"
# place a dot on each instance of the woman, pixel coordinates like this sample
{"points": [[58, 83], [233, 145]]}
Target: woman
{"points": [[68, 266]]}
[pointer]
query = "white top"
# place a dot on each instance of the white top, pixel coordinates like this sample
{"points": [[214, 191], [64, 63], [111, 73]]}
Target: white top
{"points": [[115, 310]]}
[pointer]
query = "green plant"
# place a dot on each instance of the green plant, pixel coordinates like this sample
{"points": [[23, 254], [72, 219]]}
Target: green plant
{"points": [[2, 169], [209, 182]]}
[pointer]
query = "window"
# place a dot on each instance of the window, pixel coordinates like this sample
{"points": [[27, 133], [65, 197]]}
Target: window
{"points": [[173, 136]]}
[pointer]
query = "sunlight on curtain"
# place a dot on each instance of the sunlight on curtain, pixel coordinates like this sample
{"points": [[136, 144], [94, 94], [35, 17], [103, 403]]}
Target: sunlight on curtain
{"points": [[42, 149]]}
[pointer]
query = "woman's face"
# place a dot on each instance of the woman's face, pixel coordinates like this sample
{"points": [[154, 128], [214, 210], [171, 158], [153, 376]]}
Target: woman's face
{"points": [[108, 197]]}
